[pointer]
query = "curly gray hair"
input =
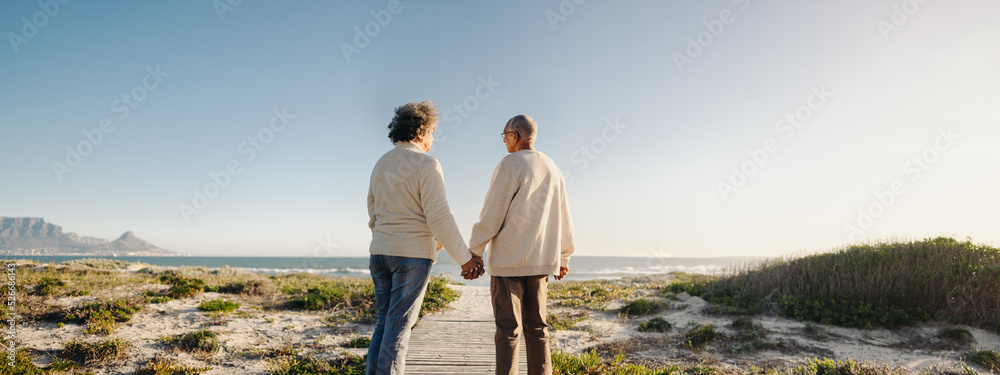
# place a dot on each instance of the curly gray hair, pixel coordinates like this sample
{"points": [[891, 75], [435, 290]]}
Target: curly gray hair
{"points": [[413, 119]]}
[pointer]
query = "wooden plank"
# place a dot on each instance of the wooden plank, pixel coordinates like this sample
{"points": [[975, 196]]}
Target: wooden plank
{"points": [[437, 347]]}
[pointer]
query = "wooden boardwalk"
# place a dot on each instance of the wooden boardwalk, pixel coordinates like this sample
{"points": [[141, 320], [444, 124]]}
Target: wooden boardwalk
{"points": [[458, 341]]}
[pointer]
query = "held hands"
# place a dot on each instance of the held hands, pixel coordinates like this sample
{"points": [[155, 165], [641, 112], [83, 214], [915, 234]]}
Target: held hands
{"points": [[563, 271], [473, 269]]}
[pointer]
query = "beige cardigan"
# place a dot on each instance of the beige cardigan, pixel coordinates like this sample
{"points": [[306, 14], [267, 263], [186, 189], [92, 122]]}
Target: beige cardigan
{"points": [[525, 218], [407, 207]]}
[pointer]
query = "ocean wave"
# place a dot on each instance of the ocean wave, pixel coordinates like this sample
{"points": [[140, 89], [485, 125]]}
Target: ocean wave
{"points": [[654, 270], [345, 270]]}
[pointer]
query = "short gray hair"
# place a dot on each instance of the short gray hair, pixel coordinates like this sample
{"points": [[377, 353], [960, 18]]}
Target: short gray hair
{"points": [[524, 125]]}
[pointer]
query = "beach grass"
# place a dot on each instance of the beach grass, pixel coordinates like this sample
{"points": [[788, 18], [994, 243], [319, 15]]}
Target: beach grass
{"points": [[61, 365], [643, 306], [656, 324], [21, 365], [182, 287], [56, 280], [200, 342], [987, 359], [163, 366], [48, 286], [308, 365], [567, 321], [884, 284], [219, 305], [597, 294], [360, 343], [589, 363], [699, 336], [102, 317], [438, 295], [960, 336], [314, 292], [97, 353]]}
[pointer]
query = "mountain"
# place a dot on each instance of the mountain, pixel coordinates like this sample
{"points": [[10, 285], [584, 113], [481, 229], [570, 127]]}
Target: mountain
{"points": [[33, 236], [129, 243]]}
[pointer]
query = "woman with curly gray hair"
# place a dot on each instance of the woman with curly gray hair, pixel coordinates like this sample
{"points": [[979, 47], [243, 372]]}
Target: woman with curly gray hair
{"points": [[409, 217]]}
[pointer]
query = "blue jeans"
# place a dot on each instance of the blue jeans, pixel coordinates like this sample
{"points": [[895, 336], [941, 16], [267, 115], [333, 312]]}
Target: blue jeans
{"points": [[400, 283]]}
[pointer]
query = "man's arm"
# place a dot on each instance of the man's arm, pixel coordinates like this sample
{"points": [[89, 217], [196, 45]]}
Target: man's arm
{"points": [[568, 241], [498, 198], [434, 201]]}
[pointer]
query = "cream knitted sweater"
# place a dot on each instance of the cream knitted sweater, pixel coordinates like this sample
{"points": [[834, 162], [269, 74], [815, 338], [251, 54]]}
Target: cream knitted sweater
{"points": [[407, 207], [525, 218]]}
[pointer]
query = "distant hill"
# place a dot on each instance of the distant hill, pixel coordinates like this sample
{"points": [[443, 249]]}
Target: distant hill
{"points": [[33, 236]]}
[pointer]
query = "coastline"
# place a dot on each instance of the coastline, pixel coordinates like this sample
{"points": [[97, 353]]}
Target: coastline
{"points": [[261, 331]]}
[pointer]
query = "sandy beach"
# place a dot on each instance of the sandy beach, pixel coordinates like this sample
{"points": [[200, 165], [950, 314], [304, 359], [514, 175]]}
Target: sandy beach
{"points": [[260, 331]]}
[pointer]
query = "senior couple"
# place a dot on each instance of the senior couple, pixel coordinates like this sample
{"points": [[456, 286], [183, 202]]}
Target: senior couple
{"points": [[525, 220]]}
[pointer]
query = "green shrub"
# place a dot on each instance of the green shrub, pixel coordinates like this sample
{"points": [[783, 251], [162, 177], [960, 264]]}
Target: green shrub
{"points": [[47, 286], [163, 299], [749, 329], [590, 363], [957, 335], [102, 323], [987, 359], [181, 287], [224, 306], [696, 338], [655, 325], [726, 298], [61, 365], [832, 367], [360, 343], [250, 288], [100, 353], [198, 342], [103, 316], [311, 292], [642, 306], [566, 321], [594, 295], [99, 263], [162, 366], [438, 296], [290, 365], [22, 365], [888, 284]]}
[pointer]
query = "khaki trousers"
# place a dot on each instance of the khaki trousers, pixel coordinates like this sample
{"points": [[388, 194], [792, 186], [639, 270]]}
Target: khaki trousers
{"points": [[519, 306]]}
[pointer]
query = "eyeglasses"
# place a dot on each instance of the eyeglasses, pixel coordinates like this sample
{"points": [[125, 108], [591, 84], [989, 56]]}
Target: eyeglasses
{"points": [[504, 134]]}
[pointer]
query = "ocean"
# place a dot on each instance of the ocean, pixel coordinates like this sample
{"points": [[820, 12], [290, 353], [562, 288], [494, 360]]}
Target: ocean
{"points": [[581, 267]]}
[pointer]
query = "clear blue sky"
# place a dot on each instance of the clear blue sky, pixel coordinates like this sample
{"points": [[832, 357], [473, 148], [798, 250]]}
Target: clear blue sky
{"points": [[893, 83]]}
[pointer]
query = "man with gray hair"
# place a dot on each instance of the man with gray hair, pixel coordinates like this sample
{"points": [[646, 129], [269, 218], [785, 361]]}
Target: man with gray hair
{"points": [[526, 222]]}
